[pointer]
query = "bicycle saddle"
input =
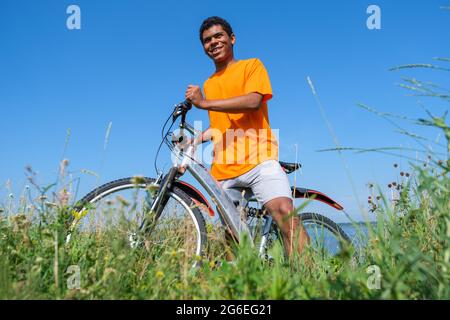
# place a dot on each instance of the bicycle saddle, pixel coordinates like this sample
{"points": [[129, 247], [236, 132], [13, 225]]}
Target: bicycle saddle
{"points": [[290, 167]]}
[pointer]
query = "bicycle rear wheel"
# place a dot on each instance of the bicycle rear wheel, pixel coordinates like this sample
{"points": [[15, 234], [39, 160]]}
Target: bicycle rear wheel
{"points": [[326, 236], [115, 211]]}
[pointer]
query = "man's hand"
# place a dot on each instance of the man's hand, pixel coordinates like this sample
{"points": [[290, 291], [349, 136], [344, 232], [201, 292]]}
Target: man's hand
{"points": [[194, 95]]}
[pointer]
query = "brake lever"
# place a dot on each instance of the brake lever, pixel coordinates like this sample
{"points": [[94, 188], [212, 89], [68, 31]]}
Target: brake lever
{"points": [[176, 113], [180, 109]]}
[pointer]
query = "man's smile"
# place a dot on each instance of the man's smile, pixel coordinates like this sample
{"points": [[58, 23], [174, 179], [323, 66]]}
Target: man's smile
{"points": [[216, 50]]}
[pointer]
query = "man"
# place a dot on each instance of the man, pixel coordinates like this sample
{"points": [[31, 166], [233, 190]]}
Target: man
{"points": [[245, 148]]}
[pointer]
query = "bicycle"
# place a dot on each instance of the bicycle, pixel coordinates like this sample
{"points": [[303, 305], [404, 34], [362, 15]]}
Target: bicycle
{"points": [[164, 204]]}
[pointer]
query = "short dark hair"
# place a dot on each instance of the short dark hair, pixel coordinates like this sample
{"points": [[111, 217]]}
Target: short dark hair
{"points": [[213, 21]]}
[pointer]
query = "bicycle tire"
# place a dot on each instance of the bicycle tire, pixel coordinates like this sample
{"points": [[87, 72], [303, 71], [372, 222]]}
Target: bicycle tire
{"points": [[325, 222], [313, 218], [112, 187]]}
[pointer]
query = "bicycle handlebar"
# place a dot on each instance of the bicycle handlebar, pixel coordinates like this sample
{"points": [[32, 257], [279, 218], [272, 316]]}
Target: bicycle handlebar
{"points": [[181, 109], [186, 105]]}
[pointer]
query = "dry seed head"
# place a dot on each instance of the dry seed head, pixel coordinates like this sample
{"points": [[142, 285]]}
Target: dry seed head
{"points": [[122, 200], [62, 167], [138, 180], [50, 204], [64, 197]]}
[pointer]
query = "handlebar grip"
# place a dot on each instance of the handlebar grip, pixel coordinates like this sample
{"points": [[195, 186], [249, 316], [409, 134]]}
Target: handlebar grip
{"points": [[187, 104], [181, 109]]}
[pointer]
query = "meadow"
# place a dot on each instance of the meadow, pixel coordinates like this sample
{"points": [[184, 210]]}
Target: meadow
{"points": [[406, 255]]}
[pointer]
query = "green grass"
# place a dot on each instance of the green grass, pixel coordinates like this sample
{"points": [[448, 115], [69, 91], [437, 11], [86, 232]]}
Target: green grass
{"points": [[409, 245]]}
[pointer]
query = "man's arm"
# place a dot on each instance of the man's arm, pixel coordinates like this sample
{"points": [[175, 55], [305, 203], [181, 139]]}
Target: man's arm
{"points": [[245, 103], [248, 102]]}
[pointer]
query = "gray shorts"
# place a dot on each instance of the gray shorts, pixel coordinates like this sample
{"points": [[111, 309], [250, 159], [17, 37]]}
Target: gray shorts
{"points": [[267, 181]]}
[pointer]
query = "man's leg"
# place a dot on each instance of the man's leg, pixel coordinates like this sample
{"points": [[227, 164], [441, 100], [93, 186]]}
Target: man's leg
{"points": [[290, 225], [271, 187]]}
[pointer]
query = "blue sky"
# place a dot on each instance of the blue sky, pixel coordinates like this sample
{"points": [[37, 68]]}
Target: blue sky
{"points": [[132, 60]]}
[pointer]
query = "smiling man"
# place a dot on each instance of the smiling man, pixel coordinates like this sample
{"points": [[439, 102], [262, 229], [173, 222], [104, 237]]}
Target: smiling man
{"points": [[245, 148]]}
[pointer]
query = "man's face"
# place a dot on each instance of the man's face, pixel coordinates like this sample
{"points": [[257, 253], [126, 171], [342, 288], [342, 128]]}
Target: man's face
{"points": [[217, 44]]}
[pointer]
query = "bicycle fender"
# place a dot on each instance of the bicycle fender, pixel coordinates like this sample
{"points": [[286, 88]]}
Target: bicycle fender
{"points": [[315, 195], [194, 194]]}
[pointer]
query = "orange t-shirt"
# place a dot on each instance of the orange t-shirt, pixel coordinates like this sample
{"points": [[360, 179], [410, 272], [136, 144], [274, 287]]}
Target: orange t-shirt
{"points": [[241, 140]]}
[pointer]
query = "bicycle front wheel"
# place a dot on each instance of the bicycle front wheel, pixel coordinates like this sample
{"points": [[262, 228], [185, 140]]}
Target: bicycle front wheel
{"points": [[115, 211]]}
